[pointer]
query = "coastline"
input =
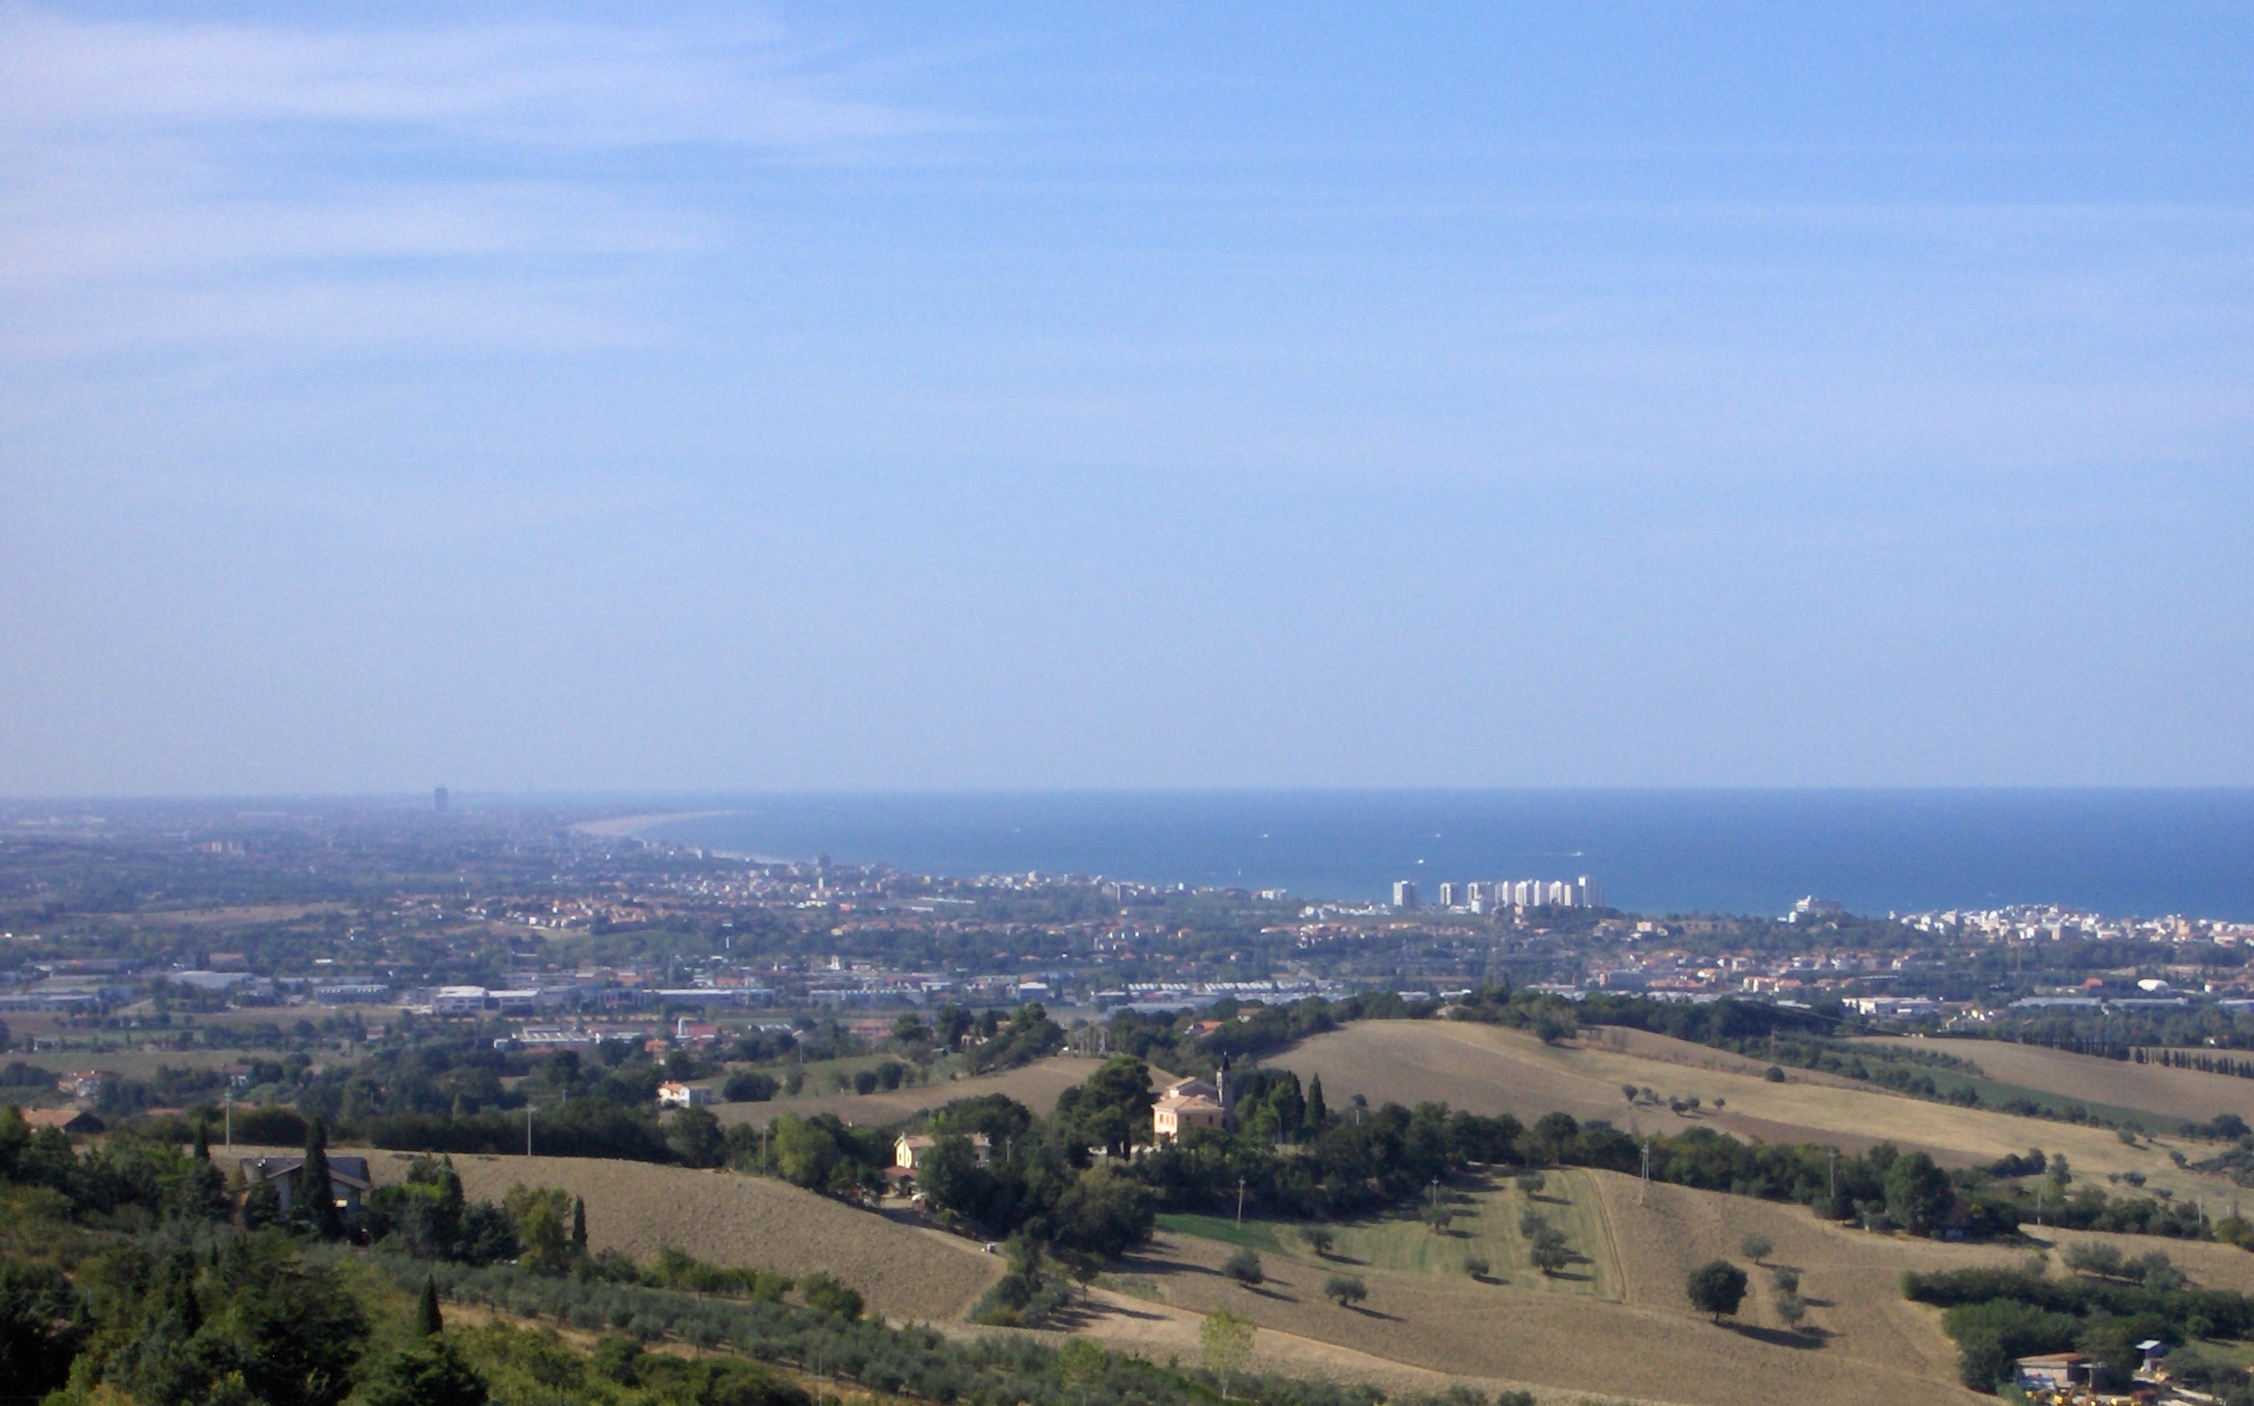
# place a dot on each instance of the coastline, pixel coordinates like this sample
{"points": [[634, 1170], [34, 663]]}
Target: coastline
{"points": [[628, 826]]}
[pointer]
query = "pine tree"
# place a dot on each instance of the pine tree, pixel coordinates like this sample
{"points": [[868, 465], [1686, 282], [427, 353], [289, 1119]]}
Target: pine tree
{"points": [[579, 1222], [428, 1323], [313, 1184]]}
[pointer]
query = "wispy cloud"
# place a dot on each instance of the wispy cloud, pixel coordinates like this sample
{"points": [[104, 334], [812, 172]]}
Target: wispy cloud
{"points": [[547, 84], [154, 176]]}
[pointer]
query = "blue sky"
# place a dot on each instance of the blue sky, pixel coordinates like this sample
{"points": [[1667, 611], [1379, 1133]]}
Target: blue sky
{"points": [[998, 396]]}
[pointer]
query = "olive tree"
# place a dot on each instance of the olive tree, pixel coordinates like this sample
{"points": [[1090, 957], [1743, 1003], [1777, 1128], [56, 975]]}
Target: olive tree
{"points": [[1716, 1287]]}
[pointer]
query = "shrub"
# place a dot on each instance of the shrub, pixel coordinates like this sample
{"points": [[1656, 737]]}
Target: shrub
{"points": [[1475, 1267], [270, 1123], [39, 1327], [1226, 1339], [827, 1295], [2095, 1257], [1989, 1336], [1345, 1290], [745, 1086], [1550, 1253], [1756, 1247], [429, 1374], [1244, 1267], [1319, 1239]]}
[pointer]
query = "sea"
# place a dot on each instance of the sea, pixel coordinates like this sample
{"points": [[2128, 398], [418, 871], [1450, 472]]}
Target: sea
{"points": [[2120, 852]]}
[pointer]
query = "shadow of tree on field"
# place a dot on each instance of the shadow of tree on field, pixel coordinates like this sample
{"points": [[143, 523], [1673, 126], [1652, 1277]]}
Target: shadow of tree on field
{"points": [[1776, 1337]]}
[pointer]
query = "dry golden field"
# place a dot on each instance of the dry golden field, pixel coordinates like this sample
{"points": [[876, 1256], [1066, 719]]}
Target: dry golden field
{"points": [[905, 1271], [143, 1064], [245, 914], [1491, 1070], [2179, 1093], [1159, 1331], [1875, 1347], [1035, 1085]]}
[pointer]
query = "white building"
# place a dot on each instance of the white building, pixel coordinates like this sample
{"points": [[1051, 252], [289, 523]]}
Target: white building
{"points": [[1583, 892], [458, 1000], [673, 1095], [1404, 895]]}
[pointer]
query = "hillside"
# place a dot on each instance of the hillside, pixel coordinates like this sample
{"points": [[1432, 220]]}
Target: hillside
{"points": [[1641, 1340], [1488, 1069], [2173, 1093], [1035, 1085], [905, 1272]]}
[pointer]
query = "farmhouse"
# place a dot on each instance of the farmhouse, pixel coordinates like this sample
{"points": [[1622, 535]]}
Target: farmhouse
{"points": [[87, 1084], [675, 1095], [2054, 1371], [909, 1151], [348, 1180], [1190, 1103]]}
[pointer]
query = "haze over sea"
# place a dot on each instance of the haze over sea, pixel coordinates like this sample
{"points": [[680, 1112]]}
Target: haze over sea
{"points": [[2118, 851]]}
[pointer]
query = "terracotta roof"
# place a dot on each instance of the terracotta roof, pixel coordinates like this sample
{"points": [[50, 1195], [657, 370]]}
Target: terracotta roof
{"points": [[64, 1118]]}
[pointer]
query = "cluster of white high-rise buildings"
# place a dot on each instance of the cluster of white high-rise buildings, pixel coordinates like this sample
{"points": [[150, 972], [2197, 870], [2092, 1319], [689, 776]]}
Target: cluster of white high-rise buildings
{"points": [[1476, 897]]}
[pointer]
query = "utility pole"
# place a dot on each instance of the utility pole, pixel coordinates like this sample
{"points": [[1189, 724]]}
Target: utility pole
{"points": [[528, 1128], [1240, 1201], [1645, 1184], [1833, 1154], [230, 1118]]}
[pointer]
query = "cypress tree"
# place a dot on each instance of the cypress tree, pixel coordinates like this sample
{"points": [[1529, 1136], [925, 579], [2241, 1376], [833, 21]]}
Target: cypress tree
{"points": [[579, 1221], [1318, 1111], [313, 1184], [428, 1323], [203, 1143]]}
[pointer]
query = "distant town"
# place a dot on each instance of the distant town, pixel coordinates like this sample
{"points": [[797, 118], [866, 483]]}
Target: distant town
{"points": [[146, 918], [569, 1074]]}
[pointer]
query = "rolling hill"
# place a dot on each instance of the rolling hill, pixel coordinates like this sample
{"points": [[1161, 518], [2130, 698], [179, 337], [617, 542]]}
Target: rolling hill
{"points": [[1035, 1085], [1488, 1069]]}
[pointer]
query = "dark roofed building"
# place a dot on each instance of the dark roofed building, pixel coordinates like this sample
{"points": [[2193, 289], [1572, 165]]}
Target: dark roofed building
{"points": [[348, 1180]]}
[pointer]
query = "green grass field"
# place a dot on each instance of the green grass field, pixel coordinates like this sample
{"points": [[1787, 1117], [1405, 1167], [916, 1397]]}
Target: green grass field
{"points": [[1485, 1227], [1259, 1235], [1995, 1093]]}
